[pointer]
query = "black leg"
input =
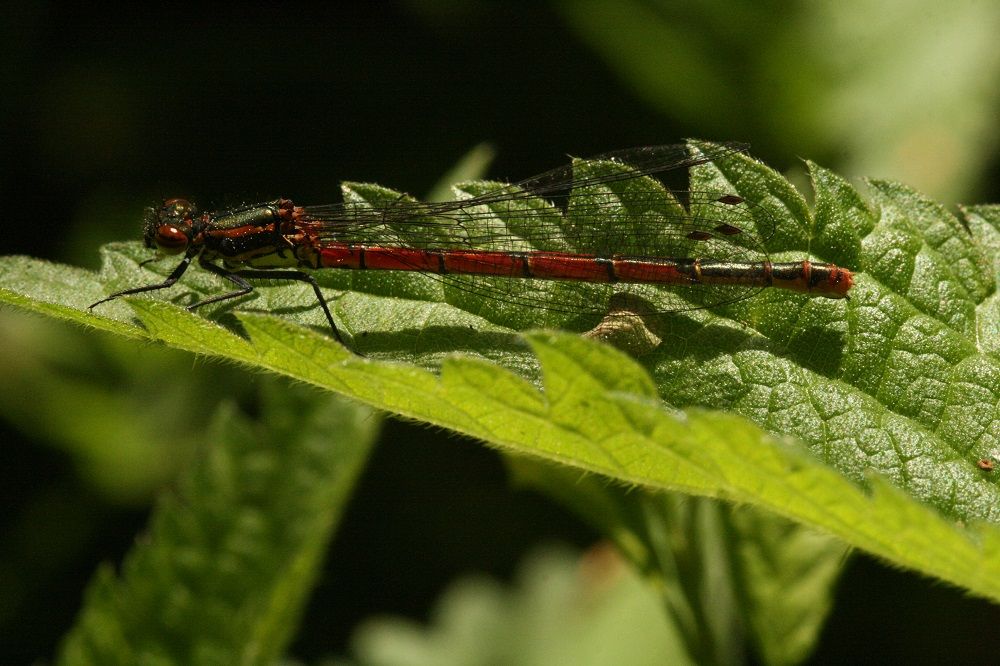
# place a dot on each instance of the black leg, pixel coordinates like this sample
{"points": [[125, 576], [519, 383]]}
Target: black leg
{"points": [[240, 278], [244, 286], [169, 282]]}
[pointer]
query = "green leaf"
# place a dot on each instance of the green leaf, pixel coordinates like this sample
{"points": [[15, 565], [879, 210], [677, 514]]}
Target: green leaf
{"points": [[887, 398], [229, 560], [984, 225]]}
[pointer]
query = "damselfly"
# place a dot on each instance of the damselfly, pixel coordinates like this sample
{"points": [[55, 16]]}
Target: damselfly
{"points": [[566, 240]]}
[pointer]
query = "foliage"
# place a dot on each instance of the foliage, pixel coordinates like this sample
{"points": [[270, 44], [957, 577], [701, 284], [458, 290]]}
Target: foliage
{"points": [[863, 419]]}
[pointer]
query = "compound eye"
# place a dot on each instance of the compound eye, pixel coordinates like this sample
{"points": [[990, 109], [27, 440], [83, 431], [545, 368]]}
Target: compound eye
{"points": [[178, 209], [170, 239]]}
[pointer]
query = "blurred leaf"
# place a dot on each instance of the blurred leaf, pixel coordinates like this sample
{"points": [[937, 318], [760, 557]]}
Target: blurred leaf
{"points": [[873, 83], [78, 392], [726, 574], [471, 166], [231, 557], [559, 611]]}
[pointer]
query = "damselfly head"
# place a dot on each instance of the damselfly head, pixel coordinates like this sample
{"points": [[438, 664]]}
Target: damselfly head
{"points": [[167, 228]]}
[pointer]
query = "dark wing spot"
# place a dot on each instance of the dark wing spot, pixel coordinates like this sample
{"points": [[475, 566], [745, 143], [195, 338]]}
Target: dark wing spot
{"points": [[728, 230]]}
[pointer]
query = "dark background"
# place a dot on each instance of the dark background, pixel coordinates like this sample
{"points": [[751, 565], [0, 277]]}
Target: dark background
{"points": [[106, 110]]}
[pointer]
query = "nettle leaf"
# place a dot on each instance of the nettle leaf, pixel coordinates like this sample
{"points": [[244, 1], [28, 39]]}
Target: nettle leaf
{"points": [[863, 418]]}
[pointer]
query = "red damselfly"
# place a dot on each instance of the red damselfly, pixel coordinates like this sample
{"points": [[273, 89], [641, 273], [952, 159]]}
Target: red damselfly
{"points": [[566, 240]]}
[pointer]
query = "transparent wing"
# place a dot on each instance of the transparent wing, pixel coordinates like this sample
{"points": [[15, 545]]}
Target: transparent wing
{"points": [[614, 206]]}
